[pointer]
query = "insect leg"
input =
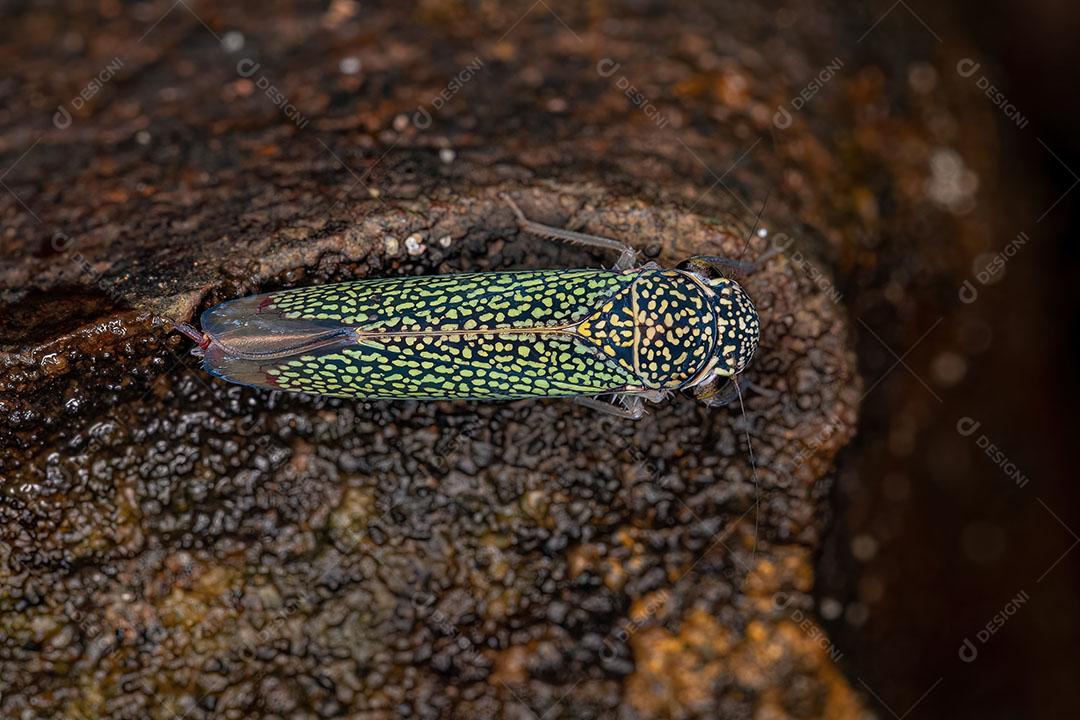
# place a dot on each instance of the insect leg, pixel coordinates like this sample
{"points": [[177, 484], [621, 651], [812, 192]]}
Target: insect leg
{"points": [[715, 396], [633, 410], [704, 263], [712, 396], [627, 255], [654, 396], [201, 339]]}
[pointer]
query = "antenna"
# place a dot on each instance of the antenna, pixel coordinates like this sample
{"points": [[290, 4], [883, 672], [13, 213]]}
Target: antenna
{"points": [[768, 193], [753, 466], [757, 222]]}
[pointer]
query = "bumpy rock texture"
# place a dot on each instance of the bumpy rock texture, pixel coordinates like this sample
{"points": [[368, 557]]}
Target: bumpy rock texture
{"points": [[173, 546]]}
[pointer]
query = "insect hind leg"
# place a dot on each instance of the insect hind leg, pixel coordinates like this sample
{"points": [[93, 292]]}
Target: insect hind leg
{"points": [[201, 339], [627, 255], [634, 408]]}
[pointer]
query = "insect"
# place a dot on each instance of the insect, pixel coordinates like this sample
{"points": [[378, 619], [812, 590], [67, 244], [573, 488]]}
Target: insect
{"points": [[633, 333]]}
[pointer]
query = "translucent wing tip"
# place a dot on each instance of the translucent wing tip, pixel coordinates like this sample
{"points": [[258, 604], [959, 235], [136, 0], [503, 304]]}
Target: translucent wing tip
{"points": [[249, 336]]}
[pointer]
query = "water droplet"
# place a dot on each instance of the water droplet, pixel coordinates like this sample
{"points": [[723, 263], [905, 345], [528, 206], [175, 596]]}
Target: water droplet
{"points": [[232, 41], [949, 368], [350, 65], [414, 244], [951, 184], [830, 608], [864, 547], [857, 614], [922, 77]]}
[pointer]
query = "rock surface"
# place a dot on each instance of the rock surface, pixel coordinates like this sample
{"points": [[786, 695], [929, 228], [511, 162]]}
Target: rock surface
{"points": [[174, 546]]}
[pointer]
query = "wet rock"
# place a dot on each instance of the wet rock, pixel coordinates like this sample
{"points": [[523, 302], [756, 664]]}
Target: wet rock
{"points": [[172, 545]]}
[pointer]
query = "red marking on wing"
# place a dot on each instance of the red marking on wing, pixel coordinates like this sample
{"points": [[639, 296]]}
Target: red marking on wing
{"points": [[266, 302]]}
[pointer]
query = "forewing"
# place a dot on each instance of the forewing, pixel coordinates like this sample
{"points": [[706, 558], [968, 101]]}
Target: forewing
{"points": [[437, 366], [444, 336], [475, 301]]}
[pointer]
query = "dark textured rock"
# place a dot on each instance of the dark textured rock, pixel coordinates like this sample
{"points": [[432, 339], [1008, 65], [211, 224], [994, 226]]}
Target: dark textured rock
{"points": [[176, 546]]}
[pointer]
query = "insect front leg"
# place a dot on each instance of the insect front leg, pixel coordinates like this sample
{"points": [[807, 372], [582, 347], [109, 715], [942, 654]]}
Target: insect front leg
{"points": [[705, 263], [627, 255], [721, 395], [717, 395]]}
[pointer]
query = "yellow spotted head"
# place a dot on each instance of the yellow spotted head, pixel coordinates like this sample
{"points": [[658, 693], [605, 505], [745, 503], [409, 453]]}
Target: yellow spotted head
{"points": [[738, 329]]}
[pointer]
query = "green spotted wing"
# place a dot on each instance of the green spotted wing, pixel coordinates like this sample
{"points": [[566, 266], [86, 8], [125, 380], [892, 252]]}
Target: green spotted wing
{"points": [[479, 336]]}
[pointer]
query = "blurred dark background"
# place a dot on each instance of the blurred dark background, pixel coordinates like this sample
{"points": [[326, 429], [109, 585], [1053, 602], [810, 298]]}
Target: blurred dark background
{"points": [[933, 539]]}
